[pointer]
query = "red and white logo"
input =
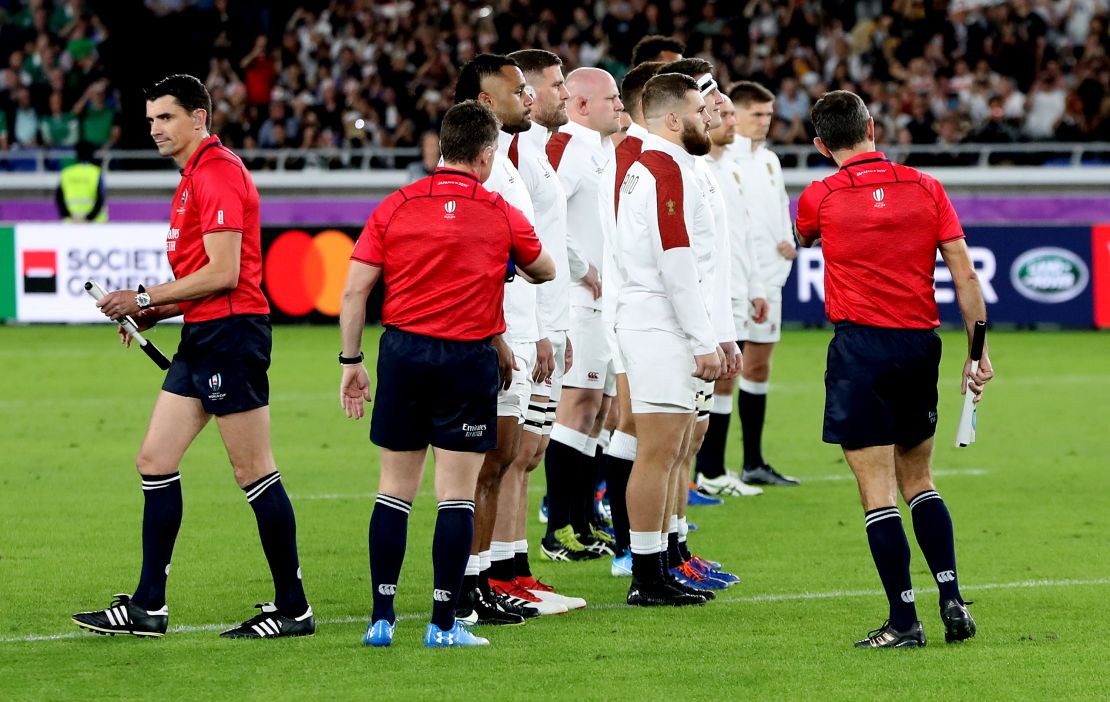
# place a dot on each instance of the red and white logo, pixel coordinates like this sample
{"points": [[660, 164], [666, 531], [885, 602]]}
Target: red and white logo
{"points": [[593, 375], [40, 271]]}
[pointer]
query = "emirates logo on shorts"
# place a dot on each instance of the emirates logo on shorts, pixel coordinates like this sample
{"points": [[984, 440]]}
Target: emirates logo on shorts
{"points": [[449, 209]]}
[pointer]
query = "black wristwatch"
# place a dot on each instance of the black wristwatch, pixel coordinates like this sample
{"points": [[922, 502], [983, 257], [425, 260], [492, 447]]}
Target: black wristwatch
{"points": [[352, 361]]}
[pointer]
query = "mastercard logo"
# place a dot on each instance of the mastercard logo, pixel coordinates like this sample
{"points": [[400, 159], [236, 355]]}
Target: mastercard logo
{"points": [[305, 273]]}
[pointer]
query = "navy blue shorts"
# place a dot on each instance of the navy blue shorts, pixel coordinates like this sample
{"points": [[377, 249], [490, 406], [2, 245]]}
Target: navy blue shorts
{"points": [[223, 363], [435, 392], [881, 386]]}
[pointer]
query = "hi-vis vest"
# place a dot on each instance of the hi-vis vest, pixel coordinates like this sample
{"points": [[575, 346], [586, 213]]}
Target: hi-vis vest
{"points": [[80, 183]]}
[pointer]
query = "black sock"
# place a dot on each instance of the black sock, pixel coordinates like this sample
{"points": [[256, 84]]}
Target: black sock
{"points": [[560, 466], [646, 569], [520, 564], [470, 582], [502, 570], [674, 553], [752, 409], [161, 520], [616, 486], [710, 461], [450, 550], [932, 525], [389, 526], [587, 490], [891, 552], [600, 469], [277, 527], [684, 551]]}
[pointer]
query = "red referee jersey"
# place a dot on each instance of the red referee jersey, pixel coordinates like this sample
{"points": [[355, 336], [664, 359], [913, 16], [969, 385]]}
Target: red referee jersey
{"points": [[216, 194], [880, 224], [443, 244]]}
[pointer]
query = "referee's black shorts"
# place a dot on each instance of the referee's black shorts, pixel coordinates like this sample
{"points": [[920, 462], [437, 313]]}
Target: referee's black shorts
{"points": [[223, 363], [881, 386], [435, 392]]}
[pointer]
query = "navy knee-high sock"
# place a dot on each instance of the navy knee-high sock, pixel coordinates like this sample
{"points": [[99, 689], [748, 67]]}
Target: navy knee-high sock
{"points": [[450, 549], [752, 409], [559, 466], [710, 460], [277, 527], [161, 520], [932, 525], [891, 552], [389, 528], [616, 487]]}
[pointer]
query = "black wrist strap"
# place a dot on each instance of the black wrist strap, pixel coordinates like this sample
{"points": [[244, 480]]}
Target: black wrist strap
{"points": [[355, 360]]}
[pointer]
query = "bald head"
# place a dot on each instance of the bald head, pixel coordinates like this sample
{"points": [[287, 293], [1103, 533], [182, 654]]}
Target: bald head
{"points": [[594, 100]]}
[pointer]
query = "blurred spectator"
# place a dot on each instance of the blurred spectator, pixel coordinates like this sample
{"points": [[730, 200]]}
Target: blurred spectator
{"points": [[260, 72], [98, 117], [80, 192], [290, 127], [429, 157], [26, 120], [58, 127]]}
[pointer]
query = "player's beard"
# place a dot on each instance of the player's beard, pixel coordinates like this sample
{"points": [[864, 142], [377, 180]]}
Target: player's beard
{"points": [[694, 138], [723, 139], [550, 119], [520, 123]]}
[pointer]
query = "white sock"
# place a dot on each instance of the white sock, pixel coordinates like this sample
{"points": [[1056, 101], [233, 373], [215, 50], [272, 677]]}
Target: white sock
{"points": [[722, 404], [484, 559], [473, 566], [590, 449], [520, 546], [753, 388], [569, 437], [622, 445], [683, 529], [644, 542], [501, 550]]}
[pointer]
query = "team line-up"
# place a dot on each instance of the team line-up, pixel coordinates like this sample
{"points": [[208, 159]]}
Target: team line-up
{"points": [[573, 286]]}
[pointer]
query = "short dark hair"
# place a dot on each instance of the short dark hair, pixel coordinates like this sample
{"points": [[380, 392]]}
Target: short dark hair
{"points": [[535, 60], [186, 91], [840, 120], [632, 87], [469, 85], [745, 92], [688, 67], [664, 90], [649, 48], [467, 128]]}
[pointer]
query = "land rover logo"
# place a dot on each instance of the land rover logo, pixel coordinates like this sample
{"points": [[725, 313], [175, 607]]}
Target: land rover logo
{"points": [[1049, 274]]}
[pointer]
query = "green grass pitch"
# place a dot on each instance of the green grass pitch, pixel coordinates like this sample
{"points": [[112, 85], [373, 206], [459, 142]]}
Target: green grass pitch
{"points": [[1029, 501]]}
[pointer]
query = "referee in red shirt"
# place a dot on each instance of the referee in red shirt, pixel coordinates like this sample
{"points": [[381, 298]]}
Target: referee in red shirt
{"points": [[441, 247], [214, 248], [880, 225]]}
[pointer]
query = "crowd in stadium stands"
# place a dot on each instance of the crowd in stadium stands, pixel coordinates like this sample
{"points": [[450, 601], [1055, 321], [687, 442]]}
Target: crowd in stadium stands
{"points": [[362, 73]]}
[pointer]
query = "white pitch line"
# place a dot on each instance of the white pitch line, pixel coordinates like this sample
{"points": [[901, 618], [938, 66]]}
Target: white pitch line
{"points": [[789, 597], [939, 472]]}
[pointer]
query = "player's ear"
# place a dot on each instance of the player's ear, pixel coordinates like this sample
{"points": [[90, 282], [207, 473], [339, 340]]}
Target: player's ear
{"points": [[871, 128], [820, 146]]}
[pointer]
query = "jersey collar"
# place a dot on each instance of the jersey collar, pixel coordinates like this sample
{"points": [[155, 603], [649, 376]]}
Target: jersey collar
{"points": [[679, 154], [575, 129], [191, 165], [441, 170], [635, 130], [866, 157]]}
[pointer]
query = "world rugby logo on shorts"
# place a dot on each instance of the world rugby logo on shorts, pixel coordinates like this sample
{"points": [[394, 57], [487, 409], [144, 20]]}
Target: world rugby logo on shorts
{"points": [[214, 384], [449, 209]]}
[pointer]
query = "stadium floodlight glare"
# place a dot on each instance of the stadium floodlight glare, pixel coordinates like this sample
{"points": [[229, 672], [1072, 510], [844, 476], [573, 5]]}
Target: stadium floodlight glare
{"points": [[965, 432], [97, 293]]}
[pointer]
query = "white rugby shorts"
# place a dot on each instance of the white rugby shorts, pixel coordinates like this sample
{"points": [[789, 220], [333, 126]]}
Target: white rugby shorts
{"points": [[770, 330], [591, 350], [659, 365]]}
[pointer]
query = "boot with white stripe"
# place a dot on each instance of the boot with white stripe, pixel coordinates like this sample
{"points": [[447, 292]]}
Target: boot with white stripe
{"points": [[271, 624], [124, 617]]}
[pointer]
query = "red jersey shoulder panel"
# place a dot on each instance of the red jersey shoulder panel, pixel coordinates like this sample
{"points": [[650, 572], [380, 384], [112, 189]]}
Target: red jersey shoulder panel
{"points": [[556, 146], [627, 152], [668, 199]]}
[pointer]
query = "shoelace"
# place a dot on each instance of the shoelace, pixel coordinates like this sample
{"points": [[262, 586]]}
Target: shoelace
{"points": [[878, 634], [518, 591], [691, 572]]}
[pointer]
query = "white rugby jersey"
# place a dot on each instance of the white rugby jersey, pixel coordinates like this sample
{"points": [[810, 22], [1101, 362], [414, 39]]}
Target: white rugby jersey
{"points": [[520, 297], [626, 153], [529, 153], [764, 193], [745, 284], [713, 263], [661, 211], [579, 155]]}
